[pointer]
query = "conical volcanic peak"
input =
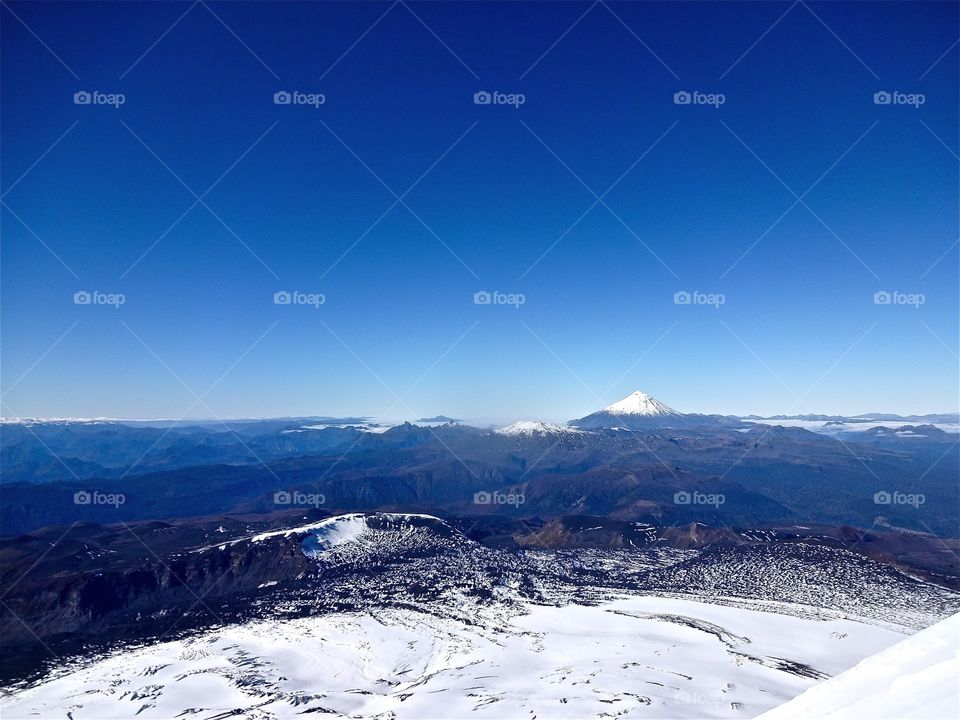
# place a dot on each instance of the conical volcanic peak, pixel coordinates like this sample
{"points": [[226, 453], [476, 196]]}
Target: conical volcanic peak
{"points": [[636, 411], [639, 403]]}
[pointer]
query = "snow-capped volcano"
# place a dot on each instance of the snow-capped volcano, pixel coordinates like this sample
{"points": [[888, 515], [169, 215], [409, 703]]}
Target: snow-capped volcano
{"points": [[636, 411], [639, 403]]}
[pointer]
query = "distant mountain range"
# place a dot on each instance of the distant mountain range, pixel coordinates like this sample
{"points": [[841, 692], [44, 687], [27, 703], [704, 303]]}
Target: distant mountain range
{"points": [[765, 473], [637, 411], [864, 417], [438, 419]]}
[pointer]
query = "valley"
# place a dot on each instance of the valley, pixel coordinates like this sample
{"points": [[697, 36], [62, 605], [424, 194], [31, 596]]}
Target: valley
{"points": [[638, 562]]}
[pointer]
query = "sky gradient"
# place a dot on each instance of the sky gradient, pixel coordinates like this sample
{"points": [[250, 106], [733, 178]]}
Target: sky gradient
{"points": [[398, 198]]}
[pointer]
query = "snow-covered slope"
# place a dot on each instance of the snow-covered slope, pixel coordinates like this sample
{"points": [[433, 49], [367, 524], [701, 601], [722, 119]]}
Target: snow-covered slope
{"points": [[535, 427], [633, 657], [403, 616], [917, 678]]}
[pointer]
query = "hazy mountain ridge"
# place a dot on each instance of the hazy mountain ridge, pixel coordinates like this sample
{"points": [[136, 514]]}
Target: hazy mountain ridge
{"points": [[767, 473]]}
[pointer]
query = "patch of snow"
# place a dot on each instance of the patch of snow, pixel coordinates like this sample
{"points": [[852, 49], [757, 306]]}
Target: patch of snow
{"points": [[332, 532]]}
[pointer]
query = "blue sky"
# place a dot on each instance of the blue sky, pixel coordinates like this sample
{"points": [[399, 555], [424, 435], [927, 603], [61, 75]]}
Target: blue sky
{"points": [[305, 198]]}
